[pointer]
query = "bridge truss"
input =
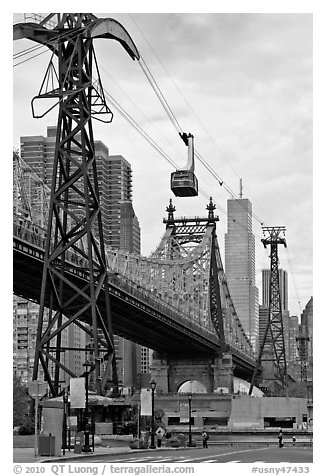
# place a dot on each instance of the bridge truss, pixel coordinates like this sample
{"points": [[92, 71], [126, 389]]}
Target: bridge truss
{"points": [[186, 271], [183, 277]]}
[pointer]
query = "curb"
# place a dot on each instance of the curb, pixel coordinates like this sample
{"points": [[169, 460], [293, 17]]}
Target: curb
{"points": [[105, 453]]}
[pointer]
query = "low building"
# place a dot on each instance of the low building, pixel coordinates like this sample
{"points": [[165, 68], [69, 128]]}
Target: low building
{"points": [[266, 412]]}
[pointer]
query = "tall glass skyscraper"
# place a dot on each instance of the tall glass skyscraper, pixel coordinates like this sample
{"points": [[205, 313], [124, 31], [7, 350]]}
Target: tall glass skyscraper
{"points": [[240, 266]]}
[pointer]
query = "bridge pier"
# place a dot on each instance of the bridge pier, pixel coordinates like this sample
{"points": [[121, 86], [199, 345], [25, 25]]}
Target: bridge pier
{"points": [[212, 372]]}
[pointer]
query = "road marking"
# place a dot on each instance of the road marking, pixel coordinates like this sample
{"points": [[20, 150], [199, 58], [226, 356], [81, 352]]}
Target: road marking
{"points": [[209, 461], [160, 460], [134, 459], [183, 460], [241, 451], [235, 461]]}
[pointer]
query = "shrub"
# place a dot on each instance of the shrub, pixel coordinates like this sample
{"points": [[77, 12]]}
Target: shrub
{"points": [[174, 442], [27, 428]]}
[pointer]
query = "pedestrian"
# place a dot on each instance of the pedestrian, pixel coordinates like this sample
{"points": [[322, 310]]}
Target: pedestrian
{"points": [[160, 432], [280, 439], [294, 440], [205, 439]]}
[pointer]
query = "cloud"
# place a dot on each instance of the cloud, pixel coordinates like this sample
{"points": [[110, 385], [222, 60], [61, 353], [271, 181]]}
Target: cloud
{"points": [[247, 78]]}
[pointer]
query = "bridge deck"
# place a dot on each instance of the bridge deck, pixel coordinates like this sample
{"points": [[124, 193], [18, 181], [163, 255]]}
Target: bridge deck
{"points": [[133, 317]]}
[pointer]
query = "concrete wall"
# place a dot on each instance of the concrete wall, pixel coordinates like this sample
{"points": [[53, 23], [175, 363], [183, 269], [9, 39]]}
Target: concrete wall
{"points": [[202, 405], [250, 411]]}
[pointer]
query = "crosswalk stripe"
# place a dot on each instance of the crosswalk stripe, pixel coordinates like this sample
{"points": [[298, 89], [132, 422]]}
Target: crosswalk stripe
{"points": [[163, 460], [184, 460], [130, 460]]}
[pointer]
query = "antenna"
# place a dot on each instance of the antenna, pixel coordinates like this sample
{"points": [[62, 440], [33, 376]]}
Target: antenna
{"points": [[240, 188]]}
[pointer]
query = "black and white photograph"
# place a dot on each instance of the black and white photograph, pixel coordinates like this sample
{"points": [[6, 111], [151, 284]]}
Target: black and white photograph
{"points": [[162, 266]]}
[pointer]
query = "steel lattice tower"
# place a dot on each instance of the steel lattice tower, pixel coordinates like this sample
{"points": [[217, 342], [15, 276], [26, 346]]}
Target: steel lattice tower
{"points": [[74, 208], [273, 346]]}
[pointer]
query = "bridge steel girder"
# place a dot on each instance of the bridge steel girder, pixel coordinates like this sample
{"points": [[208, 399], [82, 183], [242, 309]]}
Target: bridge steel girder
{"points": [[74, 222], [133, 317]]}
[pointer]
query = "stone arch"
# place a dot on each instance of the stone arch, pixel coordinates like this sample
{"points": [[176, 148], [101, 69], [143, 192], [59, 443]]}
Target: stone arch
{"points": [[192, 386]]}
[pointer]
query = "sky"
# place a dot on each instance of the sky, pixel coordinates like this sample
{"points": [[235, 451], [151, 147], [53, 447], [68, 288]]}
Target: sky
{"points": [[241, 83]]}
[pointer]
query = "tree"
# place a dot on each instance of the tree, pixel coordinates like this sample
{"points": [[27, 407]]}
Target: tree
{"points": [[21, 402]]}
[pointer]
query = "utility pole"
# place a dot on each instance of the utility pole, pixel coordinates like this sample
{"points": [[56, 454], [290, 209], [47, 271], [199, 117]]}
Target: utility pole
{"points": [[272, 348], [74, 282]]}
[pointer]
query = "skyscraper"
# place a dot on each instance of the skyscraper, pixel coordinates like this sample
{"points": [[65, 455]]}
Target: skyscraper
{"points": [[306, 339], [291, 346], [240, 265], [307, 324], [120, 224], [263, 320], [25, 313], [283, 282], [25, 319]]}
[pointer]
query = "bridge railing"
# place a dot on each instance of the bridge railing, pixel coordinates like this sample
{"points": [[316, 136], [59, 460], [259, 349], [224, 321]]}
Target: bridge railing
{"points": [[181, 283], [148, 298]]}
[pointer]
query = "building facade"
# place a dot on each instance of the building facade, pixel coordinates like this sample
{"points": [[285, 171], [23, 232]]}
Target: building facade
{"points": [[240, 266], [120, 224], [263, 320], [305, 342], [291, 333], [288, 323], [25, 319], [283, 283]]}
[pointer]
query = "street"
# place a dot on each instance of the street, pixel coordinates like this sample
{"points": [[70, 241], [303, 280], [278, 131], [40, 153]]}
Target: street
{"points": [[214, 454]]}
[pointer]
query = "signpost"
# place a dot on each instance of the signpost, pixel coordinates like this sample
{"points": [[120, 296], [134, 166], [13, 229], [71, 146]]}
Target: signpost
{"points": [[36, 389]]}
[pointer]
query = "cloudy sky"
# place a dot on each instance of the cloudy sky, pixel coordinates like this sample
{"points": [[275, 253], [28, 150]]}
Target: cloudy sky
{"points": [[241, 83]]}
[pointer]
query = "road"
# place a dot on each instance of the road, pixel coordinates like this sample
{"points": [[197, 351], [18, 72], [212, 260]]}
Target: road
{"points": [[220, 454]]}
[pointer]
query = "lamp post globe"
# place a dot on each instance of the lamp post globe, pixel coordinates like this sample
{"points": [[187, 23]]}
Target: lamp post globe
{"points": [[153, 386]]}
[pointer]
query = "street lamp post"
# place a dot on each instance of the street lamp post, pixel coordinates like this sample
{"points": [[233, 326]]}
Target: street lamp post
{"points": [[153, 386], [65, 406], [86, 447], [189, 408]]}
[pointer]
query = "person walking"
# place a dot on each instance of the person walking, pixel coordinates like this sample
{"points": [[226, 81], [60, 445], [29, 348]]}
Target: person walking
{"points": [[160, 432], [280, 439], [294, 440], [205, 439]]}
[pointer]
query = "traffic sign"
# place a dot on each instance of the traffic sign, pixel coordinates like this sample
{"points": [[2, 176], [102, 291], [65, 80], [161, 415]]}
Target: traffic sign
{"points": [[37, 388]]}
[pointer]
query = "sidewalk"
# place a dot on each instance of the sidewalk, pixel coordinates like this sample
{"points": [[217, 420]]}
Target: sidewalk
{"points": [[26, 455]]}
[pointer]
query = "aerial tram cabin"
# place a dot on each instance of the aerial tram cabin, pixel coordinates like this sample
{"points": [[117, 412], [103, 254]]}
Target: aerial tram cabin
{"points": [[184, 182]]}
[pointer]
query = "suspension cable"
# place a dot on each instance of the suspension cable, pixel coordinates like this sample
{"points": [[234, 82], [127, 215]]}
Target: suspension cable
{"points": [[179, 129], [159, 94], [293, 280]]}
